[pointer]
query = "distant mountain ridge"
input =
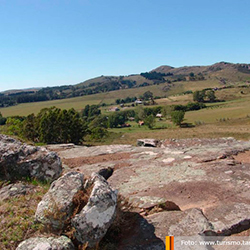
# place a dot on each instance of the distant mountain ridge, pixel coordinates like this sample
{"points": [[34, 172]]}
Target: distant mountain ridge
{"points": [[222, 71], [222, 67]]}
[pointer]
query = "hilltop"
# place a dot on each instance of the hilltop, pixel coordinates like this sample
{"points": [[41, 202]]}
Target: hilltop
{"points": [[226, 70], [165, 76]]}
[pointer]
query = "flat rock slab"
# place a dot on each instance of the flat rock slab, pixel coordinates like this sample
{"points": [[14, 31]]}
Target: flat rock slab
{"points": [[230, 219], [193, 173], [189, 223], [82, 151]]}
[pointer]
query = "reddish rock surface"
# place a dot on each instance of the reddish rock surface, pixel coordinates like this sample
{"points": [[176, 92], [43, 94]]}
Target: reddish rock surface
{"points": [[212, 175]]}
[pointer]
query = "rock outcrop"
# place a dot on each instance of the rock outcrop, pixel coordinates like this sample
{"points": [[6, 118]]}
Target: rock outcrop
{"points": [[207, 179], [57, 205], [51, 243], [93, 221], [148, 143], [19, 160], [192, 189]]}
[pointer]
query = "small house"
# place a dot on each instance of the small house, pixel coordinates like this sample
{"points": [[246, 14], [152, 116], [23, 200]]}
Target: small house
{"points": [[114, 109], [138, 102], [141, 123]]}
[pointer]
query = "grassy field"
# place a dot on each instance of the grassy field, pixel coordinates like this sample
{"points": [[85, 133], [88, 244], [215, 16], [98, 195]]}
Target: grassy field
{"points": [[237, 128], [223, 119], [228, 118], [78, 103]]}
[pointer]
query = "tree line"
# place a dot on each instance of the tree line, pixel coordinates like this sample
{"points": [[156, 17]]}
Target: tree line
{"points": [[62, 92], [55, 125]]}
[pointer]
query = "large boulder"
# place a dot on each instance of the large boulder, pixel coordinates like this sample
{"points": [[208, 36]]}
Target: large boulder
{"points": [[19, 160], [57, 205], [51, 243], [92, 223]]}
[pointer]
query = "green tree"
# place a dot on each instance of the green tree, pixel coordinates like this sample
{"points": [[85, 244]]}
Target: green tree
{"points": [[198, 96], [60, 126], [90, 112], [166, 111], [140, 114], [191, 76], [115, 120], [211, 95], [30, 130], [49, 125], [177, 117], [2, 119], [14, 126], [150, 121], [78, 128], [98, 133], [148, 95]]}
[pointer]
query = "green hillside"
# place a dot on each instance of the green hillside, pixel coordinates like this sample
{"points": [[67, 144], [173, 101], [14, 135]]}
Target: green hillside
{"points": [[166, 78]]}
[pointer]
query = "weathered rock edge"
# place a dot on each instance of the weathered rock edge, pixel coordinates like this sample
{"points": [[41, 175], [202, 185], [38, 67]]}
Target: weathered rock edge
{"points": [[93, 221], [96, 217], [57, 206], [19, 160]]}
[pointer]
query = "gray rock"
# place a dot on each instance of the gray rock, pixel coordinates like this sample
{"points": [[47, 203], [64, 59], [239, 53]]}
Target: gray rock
{"points": [[51, 243], [83, 151], [57, 204], [231, 219], [179, 223], [147, 142], [19, 160], [15, 189], [211, 174], [93, 221]]}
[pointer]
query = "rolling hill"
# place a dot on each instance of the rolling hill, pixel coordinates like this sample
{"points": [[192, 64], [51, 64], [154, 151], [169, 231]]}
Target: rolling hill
{"points": [[166, 78]]}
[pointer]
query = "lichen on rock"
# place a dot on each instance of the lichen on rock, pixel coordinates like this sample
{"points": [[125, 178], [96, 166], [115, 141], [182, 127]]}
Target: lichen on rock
{"points": [[92, 223], [22, 161], [57, 204]]}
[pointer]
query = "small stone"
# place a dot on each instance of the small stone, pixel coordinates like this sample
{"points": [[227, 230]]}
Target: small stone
{"points": [[42, 243], [168, 160]]}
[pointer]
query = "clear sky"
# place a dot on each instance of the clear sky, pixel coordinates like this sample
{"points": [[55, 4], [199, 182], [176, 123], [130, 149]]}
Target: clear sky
{"points": [[60, 42]]}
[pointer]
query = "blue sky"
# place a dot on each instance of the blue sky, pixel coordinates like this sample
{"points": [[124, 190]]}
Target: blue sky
{"points": [[59, 42]]}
